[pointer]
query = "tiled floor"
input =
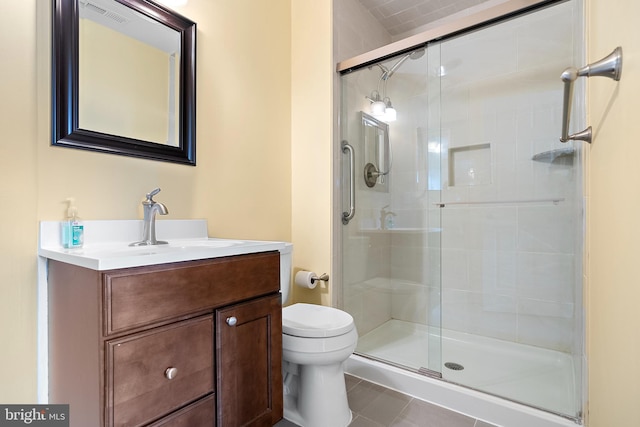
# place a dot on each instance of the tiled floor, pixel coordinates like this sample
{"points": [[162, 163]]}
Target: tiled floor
{"points": [[376, 406]]}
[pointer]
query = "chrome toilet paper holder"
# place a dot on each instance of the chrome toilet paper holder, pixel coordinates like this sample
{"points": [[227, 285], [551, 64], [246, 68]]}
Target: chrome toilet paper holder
{"points": [[324, 277]]}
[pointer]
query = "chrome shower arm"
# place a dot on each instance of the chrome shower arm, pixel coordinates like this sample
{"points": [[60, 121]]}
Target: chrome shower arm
{"points": [[609, 66]]}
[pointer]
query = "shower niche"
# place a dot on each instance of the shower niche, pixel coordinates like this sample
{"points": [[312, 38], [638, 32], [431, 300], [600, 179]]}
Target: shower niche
{"points": [[470, 165]]}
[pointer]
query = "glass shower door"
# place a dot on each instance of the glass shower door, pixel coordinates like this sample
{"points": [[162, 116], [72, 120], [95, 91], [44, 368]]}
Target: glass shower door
{"points": [[391, 245], [463, 257], [511, 211]]}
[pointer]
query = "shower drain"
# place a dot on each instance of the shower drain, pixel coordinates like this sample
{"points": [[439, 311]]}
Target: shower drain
{"points": [[454, 366]]}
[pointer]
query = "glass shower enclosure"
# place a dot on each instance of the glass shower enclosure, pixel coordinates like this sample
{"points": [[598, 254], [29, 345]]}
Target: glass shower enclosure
{"points": [[462, 255]]}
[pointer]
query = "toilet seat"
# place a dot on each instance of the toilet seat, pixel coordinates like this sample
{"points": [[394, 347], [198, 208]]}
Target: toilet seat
{"points": [[315, 321]]}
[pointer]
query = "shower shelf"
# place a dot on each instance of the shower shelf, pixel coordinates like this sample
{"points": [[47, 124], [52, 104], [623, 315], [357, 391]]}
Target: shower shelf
{"points": [[502, 202], [552, 155]]}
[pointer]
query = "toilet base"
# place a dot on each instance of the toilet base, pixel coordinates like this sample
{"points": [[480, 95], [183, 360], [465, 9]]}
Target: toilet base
{"points": [[321, 398]]}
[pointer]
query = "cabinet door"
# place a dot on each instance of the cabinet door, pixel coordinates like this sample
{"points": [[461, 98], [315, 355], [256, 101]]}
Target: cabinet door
{"points": [[249, 363]]}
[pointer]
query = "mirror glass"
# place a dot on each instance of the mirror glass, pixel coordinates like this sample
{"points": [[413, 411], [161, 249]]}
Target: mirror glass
{"points": [[127, 73], [124, 77], [377, 150]]}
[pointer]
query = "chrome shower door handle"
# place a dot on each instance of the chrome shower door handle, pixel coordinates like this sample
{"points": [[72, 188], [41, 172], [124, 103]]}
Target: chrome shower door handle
{"points": [[347, 216], [609, 66], [568, 77]]}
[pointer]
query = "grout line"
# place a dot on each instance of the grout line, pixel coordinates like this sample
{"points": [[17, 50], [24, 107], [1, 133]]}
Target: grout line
{"points": [[393, 422], [368, 419]]}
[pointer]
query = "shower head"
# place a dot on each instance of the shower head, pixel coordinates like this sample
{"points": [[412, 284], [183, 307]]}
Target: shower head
{"points": [[381, 106], [416, 54]]}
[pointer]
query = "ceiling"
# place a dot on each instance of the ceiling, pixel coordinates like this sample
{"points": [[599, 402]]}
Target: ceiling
{"points": [[401, 16]]}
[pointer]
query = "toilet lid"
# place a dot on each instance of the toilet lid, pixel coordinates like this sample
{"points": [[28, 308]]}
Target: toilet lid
{"points": [[315, 321]]}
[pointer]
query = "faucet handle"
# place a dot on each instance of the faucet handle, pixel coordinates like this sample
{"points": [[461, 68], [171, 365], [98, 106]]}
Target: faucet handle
{"points": [[152, 193]]}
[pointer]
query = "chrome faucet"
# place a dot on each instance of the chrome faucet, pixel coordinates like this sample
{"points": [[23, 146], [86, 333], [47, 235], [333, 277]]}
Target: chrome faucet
{"points": [[151, 208], [384, 213]]}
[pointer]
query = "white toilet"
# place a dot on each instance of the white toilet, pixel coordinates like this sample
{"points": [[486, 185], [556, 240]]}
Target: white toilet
{"points": [[316, 340]]}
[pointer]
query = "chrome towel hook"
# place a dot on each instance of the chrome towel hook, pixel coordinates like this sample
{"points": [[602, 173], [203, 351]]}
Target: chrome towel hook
{"points": [[609, 66]]}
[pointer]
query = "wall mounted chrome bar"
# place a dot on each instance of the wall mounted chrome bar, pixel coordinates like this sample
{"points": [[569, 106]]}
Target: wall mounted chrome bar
{"points": [[347, 216], [501, 202], [610, 66]]}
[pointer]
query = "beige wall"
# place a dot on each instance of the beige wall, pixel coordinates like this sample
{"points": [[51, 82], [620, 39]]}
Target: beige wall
{"points": [[242, 183], [613, 291], [311, 134], [19, 201]]}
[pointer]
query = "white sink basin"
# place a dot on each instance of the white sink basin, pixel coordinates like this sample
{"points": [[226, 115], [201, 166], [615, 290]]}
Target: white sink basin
{"points": [[116, 250], [207, 243], [108, 255], [172, 246]]}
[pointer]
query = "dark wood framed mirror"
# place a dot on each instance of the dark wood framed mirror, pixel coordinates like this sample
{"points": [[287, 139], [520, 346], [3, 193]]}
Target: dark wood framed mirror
{"points": [[127, 91]]}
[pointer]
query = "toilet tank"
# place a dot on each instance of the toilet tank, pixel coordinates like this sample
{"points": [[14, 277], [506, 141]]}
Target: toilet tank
{"points": [[285, 271]]}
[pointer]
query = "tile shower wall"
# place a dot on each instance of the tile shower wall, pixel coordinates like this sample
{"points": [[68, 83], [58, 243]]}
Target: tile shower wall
{"points": [[471, 114], [507, 257], [366, 249], [415, 275], [356, 30], [366, 281], [506, 98], [385, 276]]}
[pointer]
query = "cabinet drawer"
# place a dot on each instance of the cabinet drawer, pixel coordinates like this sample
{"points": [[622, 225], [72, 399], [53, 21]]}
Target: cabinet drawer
{"points": [[140, 296], [138, 385], [200, 414]]}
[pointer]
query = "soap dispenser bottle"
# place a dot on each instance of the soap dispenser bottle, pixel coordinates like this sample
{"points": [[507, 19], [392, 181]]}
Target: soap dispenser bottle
{"points": [[72, 228]]}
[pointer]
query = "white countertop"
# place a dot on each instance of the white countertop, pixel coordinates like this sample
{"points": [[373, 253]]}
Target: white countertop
{"points": [[107, 244]]}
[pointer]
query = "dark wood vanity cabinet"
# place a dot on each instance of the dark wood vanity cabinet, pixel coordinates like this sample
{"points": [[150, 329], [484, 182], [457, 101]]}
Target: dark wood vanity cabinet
{"points": [[249, 360], [195, 343]]}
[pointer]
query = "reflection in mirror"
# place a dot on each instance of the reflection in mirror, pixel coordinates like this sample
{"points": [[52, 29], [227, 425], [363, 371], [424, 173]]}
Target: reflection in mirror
{"points": [[124, 77], [377, 152], [117, 94]]}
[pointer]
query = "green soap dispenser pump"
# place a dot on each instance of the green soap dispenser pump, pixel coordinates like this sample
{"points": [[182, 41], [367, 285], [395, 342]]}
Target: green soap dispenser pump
{"points": [[72, 227]]}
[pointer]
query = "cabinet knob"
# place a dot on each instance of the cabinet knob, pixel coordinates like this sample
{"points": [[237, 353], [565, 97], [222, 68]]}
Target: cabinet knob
{"points": [[171, 373], [231, 321]]}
